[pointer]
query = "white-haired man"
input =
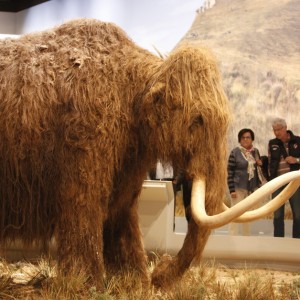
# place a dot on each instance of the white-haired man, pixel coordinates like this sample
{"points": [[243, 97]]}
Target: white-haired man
{"points": [[284, 156]]}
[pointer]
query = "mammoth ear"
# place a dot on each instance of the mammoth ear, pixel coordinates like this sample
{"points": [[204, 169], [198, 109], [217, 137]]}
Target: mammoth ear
{"points": [[156, 97], [149, 105], [174, 79]]}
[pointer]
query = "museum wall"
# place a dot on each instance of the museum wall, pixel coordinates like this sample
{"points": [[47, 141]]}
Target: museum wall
{"points": [[7, 23]]}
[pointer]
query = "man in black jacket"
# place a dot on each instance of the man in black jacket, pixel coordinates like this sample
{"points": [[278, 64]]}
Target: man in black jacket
{"points": [[284, 156]]}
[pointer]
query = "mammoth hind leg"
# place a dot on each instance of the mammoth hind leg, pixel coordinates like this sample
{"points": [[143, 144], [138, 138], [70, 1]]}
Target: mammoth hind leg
{"points": [[169, 270], [79, 236]]}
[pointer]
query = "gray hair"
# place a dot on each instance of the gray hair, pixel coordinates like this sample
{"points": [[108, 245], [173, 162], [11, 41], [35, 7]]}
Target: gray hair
{"points": [[279, 121]]}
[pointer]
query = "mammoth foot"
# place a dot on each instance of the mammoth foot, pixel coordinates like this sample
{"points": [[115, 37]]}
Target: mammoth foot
{"points": [[167, 272]]}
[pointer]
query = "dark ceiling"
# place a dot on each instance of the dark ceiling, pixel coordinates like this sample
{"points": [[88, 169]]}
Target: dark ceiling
{"points": [[17, 5]]}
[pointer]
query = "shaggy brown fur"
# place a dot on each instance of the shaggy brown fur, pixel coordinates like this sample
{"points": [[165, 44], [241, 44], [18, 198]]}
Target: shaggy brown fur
{"points": [[84, 113]]}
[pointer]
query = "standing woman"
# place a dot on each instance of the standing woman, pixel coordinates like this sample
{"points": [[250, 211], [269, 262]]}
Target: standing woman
{"points": [[243, 176]]}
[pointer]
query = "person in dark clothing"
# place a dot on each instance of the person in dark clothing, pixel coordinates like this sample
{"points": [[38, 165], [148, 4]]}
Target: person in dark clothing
{"points": [[284, 156]]}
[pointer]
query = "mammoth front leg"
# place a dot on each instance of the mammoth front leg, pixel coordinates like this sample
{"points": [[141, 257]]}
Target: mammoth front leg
{"points": [[123, 248], [79, 234], [168, 270]]}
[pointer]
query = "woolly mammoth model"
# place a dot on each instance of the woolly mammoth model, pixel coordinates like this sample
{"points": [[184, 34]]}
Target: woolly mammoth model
{"points": [[84, 113]]}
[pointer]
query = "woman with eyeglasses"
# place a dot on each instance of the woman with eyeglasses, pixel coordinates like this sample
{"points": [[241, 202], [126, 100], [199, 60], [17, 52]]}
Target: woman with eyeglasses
{"points": [[244, 177]]}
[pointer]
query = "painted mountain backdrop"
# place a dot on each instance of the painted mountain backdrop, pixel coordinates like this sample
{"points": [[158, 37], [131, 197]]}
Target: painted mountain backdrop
{"points": [[257, 44]]}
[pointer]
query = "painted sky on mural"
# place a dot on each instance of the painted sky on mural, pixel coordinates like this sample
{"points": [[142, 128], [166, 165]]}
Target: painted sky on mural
{"points": [[151, 24], [159, 23]]}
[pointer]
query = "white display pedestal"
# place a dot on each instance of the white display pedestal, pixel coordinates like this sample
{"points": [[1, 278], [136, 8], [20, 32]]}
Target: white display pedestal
{"points": [[156, 211]]}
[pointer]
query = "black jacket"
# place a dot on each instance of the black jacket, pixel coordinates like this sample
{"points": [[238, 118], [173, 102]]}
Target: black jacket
{"points": [[276, 150]]}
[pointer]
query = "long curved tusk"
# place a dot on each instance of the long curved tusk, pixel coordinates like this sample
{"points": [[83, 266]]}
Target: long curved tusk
{"points": [[198, 201], [269, 207]]}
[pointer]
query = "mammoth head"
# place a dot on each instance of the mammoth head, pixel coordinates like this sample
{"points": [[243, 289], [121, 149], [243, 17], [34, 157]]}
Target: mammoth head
{"points": [[188, 115]]}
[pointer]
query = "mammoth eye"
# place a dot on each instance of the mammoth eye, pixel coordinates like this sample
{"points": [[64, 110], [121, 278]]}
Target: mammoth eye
{"points": [[198, 121]]}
